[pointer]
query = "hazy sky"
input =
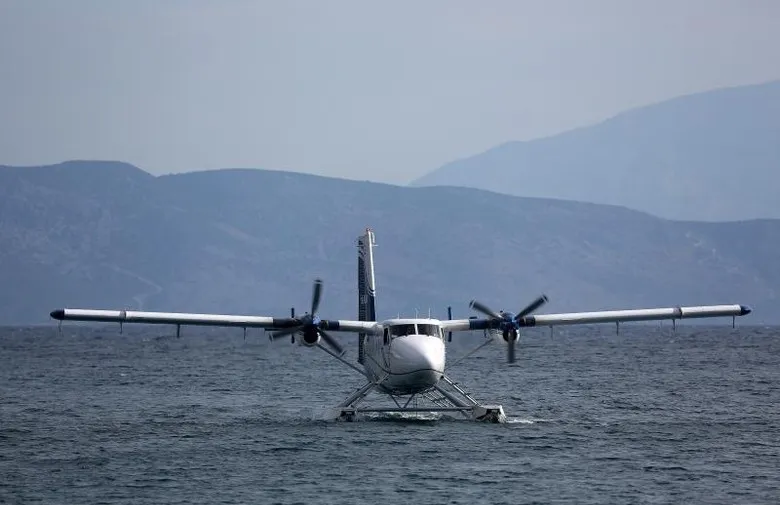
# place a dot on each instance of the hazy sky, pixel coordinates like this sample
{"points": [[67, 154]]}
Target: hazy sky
{"points": [[383, 91]]}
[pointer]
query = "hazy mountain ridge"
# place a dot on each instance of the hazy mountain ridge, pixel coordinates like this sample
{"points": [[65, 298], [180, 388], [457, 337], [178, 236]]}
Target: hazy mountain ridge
{"points": [[252, 241], [707, 156]]}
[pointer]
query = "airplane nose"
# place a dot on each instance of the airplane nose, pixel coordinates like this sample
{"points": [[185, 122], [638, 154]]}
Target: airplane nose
{"points": [[417, 353]]}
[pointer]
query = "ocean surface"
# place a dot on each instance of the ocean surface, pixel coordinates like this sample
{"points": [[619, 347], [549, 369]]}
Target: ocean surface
{"points": [[646, 416]]}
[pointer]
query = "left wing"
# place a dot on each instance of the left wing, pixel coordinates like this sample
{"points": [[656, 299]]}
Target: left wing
{"points": [[606, 316], [189, 319]]}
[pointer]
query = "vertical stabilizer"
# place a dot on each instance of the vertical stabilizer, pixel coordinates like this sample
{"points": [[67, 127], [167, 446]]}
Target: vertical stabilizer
{"points": [[366, 284]]}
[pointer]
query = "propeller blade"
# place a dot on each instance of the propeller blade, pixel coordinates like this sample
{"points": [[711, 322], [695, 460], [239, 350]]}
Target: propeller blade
{"points": [[449, 316], [332, 342], [283, 333], [510, 347], [479, 307], [531, 307], [315, 297]]}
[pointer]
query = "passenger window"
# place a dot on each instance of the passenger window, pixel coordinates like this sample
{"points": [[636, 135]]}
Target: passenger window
{"points": [[387, 339]]}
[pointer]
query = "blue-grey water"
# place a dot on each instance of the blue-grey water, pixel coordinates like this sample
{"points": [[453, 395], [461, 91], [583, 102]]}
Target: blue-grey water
{"points": [[646, 416]]}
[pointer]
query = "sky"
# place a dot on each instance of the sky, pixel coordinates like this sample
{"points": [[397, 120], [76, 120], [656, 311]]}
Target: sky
{"points": [[367, 90]]}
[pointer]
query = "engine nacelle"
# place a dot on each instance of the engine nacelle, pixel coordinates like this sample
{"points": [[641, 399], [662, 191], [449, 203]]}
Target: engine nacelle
{"points": [[502, 337], [309, 337]]}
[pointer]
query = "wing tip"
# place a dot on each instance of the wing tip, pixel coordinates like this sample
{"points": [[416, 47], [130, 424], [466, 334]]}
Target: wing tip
{"points": [[744, 310], [58, 314]]}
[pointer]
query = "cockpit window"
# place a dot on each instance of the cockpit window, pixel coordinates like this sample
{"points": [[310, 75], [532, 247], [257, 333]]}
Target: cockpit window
{"points": [[428, 329], [401, 330]]}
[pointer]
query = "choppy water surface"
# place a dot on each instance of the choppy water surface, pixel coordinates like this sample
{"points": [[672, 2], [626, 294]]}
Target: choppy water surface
{"points": [[647, 416]]}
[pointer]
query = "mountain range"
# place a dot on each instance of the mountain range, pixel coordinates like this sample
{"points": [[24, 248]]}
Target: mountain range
{"points": [[711, 156], [109, 235]]}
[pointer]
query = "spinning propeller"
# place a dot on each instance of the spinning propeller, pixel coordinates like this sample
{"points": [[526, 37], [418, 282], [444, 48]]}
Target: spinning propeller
{"points": [[508, 323], [309, 325]]}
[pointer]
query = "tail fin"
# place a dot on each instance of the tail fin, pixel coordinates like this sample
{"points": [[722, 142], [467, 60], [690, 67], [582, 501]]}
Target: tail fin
{"points": [[366, 284]]}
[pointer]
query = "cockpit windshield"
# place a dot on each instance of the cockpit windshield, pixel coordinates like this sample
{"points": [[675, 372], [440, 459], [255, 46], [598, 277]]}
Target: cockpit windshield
{"points": [[428, 329], [400, 330]]}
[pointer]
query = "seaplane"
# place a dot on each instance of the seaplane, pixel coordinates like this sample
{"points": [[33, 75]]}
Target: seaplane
{"points": [[401, 360]]}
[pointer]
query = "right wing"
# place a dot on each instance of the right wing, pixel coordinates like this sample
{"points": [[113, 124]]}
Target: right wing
{"points": [[190, 319], [605, 316]]}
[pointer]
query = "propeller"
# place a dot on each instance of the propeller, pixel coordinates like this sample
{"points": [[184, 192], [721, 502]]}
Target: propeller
{"points": [[309, 324], [449, 316], [509, 323]]}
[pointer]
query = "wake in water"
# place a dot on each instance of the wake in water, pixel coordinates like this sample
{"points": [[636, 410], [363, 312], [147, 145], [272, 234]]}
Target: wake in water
{"points": [[526, 420]]}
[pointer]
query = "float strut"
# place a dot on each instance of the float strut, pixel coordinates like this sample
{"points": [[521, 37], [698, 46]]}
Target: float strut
{"points": [[617, 328], [733, 322], [178, 330], [120, 327], [244, 333]]}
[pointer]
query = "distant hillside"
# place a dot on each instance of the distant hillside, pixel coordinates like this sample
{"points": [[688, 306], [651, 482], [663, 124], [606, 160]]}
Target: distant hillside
{"points": [[95, 234], [711, 156]]}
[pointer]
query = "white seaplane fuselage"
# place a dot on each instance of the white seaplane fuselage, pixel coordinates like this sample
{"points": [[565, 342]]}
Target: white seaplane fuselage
{"points": [[406, 356]]}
